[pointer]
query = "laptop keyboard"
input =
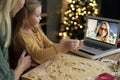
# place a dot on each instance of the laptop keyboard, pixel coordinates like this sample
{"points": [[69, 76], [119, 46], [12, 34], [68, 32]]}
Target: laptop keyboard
{"points": [[95, 46]]}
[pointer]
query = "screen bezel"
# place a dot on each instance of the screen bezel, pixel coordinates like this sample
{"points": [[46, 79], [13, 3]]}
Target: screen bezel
{"points": [[101, 42]]}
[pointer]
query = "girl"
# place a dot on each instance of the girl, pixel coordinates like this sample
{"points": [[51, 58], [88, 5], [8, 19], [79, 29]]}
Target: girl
{"points": [[7, 6], [29, 36]]}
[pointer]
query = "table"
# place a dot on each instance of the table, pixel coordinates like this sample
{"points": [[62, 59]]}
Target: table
{"points": [[114, 57], [70, 67]]}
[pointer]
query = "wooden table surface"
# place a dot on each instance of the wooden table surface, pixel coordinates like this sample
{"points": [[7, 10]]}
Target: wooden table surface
{"points": [[36, 73]]}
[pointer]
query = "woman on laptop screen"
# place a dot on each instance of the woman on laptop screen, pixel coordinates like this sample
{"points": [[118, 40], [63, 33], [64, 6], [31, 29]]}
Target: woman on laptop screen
{"points": [[102, 31]]}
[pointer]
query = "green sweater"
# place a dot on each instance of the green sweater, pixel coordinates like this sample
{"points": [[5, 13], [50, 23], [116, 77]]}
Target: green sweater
{"points": [[5, 72]]}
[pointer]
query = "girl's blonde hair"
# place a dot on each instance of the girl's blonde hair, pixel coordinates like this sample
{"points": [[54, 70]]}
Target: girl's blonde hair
{"points": [[5, 20], [106, 38], [28, 9]]}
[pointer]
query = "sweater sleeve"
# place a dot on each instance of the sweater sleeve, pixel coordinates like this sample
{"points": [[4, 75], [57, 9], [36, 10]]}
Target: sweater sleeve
{"points": [[39, 54], [5, 72], [46, 42]]}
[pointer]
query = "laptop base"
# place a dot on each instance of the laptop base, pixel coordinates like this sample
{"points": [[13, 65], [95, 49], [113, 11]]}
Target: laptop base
{"points": [[89, 56]]}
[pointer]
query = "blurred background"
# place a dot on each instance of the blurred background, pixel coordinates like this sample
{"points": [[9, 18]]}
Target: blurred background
{"points": [[63, 19]]}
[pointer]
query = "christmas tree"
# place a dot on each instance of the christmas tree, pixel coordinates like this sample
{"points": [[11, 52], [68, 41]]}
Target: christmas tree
{"points": [[74, 20]]}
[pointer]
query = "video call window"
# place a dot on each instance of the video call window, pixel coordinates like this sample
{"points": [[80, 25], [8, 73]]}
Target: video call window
{"points": [[104, 31]]}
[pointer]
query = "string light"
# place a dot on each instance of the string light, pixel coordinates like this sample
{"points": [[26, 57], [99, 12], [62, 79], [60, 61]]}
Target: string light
{"points": [[64, 35], [71, 5], [91, 0], [60, 34], [75, 23], [77, 17], [71, 22], [78, 10], [70, 15], [76, 27], [81, 26], [67, 28], [96, 11], [70, 1], [84, 12], [73, 2], [84, 8], [89, 12], [73, 9], [65, 22], [73, 18]]}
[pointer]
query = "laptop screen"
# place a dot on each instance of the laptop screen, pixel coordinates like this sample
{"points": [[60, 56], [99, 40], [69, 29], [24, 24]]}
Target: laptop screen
{"points": [[102, 29]]}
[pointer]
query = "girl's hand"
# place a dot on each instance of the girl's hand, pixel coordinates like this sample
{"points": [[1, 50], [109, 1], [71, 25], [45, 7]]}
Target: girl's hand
{"points": [[77, 44], [71, 44]]}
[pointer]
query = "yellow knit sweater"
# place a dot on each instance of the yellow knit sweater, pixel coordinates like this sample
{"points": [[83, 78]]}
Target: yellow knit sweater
{"points": [[37, 45]]}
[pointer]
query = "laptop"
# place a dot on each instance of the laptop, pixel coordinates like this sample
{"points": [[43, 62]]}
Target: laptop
{"points": [[95, 47]]}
